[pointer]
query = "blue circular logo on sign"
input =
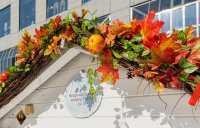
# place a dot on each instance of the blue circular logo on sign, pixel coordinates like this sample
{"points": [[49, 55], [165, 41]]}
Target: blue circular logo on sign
{"points": [[81, 98]]}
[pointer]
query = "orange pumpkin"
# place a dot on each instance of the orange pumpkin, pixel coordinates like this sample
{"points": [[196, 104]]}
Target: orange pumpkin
{"points": [[95, 44]]}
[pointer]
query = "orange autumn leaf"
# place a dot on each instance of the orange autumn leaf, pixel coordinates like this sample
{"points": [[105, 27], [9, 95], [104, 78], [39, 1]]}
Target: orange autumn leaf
{"points": [[150, 30], [189, 32], [103, 28], [110, 39], [109, 73], [166, 50], [53, 45], [26, 47], [150, 74]]}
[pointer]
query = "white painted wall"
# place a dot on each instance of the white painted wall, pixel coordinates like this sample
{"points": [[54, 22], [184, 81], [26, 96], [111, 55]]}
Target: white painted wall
{"points": [[121, 106]]}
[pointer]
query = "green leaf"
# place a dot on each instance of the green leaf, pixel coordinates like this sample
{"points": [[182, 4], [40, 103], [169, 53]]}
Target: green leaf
{"points": [[117, 55], [83, 41], [11, 70], [131, 55], [90, 71], [182, 36], [136, 39], [95, 73], [137, 48], [90, 26], [115, 63], [27, 69], [188, 67], [197, 79], [70, 45], [92, 92], [76, 29], [184, 47], [191, 69], [30, 45], [142, 65], [183, 76], [3, 85], [1, 89], [66, 20], [91, 80], [53, 55], [146, 52], [93, 59]]}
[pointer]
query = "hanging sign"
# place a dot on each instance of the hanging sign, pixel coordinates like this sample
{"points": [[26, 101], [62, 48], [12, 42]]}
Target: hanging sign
{"points": [[78, 97]]}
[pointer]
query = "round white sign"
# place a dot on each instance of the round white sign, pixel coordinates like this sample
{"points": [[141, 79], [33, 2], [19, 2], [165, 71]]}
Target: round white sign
{"points": [[78, 98]]}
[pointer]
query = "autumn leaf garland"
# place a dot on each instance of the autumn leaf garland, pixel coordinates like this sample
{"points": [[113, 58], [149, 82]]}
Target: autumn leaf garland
{"points": [[168, 61]]}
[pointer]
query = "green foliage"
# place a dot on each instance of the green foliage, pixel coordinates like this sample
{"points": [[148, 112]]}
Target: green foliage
{"points": [[66, 21], [53, 55], [183, 76], [145, 53], [117, 55], [90, 71], [182, 36], [76, 29], [83, 41], [188, 67]]}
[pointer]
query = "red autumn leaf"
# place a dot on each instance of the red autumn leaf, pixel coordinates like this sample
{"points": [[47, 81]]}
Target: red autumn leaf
{"points": [[150, 30], [195, 96], [194, 56], [69, 33], [40, 33], [109, 73], [181, 54], [175, 83], [55, 22], [137, 72]]}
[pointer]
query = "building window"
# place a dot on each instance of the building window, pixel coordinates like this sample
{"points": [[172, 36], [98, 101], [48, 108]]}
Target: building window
{"points": [[165, 4], [166, 18], [154, 5], [5, 21], [190, 14], [27, 13], [187, 13], [7, 58], [177, 19], [55, 7], [85, 1], [103, 18], [140, 11], [177, 2], [188, 1]]}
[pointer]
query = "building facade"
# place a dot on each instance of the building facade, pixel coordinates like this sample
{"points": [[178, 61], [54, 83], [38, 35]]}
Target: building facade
{"points": [[124, 106]]}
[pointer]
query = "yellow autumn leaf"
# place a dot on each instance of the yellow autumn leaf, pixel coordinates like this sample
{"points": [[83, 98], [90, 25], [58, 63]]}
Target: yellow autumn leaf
{"points": [[158, 85]]}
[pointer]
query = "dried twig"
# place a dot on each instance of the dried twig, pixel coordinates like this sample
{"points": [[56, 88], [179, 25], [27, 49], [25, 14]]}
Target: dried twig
{"points": [[162, 100], [176, 104], [139, 86]]}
